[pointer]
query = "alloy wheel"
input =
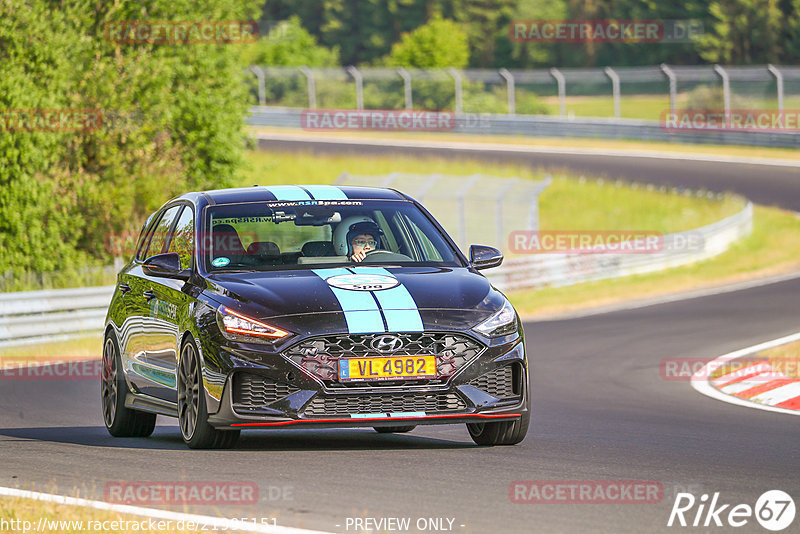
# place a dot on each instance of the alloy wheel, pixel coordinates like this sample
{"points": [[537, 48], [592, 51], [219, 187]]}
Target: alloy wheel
{"points": [[109, 383], [188, 391]]}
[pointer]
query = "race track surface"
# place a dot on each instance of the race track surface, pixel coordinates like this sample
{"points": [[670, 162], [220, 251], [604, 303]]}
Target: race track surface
{"points": [[601, 411]]}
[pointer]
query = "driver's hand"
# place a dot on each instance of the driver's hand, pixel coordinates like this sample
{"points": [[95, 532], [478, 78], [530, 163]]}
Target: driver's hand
{"points": [[358, 256]]}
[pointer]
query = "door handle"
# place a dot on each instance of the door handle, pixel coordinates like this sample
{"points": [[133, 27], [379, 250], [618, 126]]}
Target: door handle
{"points": [[125, 288], [149, 294]]}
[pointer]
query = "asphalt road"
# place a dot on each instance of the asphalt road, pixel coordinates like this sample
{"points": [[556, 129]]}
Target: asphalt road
{"points": [[602, 411]]}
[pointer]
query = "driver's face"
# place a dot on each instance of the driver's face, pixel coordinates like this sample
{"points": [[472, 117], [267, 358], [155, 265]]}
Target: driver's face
{"points": [[363, 243]]}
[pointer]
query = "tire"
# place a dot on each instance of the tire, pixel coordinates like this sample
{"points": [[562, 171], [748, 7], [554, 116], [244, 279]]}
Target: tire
{"points": [[192, 412], [394, 429], [500, 432], [121, 422]]}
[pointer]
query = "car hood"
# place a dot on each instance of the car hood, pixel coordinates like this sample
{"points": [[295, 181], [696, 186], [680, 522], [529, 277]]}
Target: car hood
{"points": [[429, 298]]}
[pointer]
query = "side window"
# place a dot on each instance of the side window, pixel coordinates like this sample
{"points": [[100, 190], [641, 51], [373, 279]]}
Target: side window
{"points": [[429, 250], [144, 236], [182, 240], [160, 232]]}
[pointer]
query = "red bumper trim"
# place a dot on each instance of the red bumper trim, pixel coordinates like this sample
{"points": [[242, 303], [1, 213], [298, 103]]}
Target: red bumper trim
{"points": [[381, 419]]}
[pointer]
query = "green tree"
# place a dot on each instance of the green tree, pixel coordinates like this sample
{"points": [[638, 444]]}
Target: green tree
{"points": [[289, 44], [486, 24], [439, 43], [173, 120], [743, 31]]}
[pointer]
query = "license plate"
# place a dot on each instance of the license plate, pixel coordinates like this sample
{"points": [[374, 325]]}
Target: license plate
{"points": [[394, 368]]}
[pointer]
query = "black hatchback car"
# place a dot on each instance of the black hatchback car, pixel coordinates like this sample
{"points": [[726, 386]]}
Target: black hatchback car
{"points": [[309, 306]]}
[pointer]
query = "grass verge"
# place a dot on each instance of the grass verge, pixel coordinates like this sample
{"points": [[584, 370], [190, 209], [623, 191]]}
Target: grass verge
{"points": [[771, 249], [785, 358], [80, 348]]}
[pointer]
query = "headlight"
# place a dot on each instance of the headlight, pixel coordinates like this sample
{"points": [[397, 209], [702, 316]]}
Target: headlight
{"points": [[502, 323], [239, 327]]}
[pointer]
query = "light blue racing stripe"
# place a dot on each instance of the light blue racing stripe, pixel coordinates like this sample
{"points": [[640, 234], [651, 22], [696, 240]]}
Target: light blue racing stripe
{"points": [[326, 192], [407, 414], [397, 304], [360, 310], [368, 415], [288, 192]]}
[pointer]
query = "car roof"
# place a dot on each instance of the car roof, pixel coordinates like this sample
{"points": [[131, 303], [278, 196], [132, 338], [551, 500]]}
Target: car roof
{"points": [[259, 193]]}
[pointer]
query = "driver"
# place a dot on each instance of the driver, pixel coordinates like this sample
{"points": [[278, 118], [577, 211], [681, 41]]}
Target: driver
{"points": [[357, 236]]}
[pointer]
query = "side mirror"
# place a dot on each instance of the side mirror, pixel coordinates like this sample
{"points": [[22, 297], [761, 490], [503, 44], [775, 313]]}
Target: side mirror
{"points": [[166, 266], [483, 257]]}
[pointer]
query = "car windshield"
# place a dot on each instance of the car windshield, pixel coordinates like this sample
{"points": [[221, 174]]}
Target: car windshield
{"points": [[310, 234]]}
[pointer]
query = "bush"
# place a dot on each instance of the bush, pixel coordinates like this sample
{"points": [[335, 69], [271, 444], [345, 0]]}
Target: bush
{"points": [[173, 121]]}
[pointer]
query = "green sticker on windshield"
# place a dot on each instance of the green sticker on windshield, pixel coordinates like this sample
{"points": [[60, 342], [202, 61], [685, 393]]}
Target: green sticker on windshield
{"points": [[220, 262]]}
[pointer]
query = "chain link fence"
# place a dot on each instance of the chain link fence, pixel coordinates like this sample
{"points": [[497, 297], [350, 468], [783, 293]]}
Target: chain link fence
{"points": [[620, 92], [474, 209]]}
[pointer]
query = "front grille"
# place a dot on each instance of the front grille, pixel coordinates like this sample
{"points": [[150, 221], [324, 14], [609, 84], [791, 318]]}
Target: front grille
{"points": [[256, 391], [384, 403], [319, 356], [497, 382]]}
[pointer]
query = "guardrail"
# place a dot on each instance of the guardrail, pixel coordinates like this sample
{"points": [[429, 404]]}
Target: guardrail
{"points": [[52, 315], [539, 270], [552, 126], [28, 317]]}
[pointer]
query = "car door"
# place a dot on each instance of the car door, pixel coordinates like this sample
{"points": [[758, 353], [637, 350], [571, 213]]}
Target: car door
{"points": [[132, 301], [143, 332], [168, 305]]}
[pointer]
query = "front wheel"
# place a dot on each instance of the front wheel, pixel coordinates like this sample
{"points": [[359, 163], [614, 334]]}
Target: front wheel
{"points": [[500, 432], [121, 422], [192, 412]]}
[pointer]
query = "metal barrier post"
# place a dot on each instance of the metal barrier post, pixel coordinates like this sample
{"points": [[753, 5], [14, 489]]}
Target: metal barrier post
{"points": [[406, 86], [614, 89], [262, 89], [426, 187], [459, 95], [512, 100], [673, 87], [726, 92], [779, 81], [562, 91], [352, 71], [312, 89], [462, 208], [533, 213], [390, 179], [499, 209]]}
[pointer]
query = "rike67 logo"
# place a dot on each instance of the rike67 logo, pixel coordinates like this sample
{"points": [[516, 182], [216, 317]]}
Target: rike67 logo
{"points": [[774, 510]]}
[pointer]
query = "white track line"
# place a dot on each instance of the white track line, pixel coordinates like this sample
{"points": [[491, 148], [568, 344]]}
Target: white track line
{"points": [[779, 395], [505, 147], [217, 523], [700, 379]]}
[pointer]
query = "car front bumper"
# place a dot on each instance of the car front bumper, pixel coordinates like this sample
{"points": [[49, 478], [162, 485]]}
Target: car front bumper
{"points": [[493, 386]]}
